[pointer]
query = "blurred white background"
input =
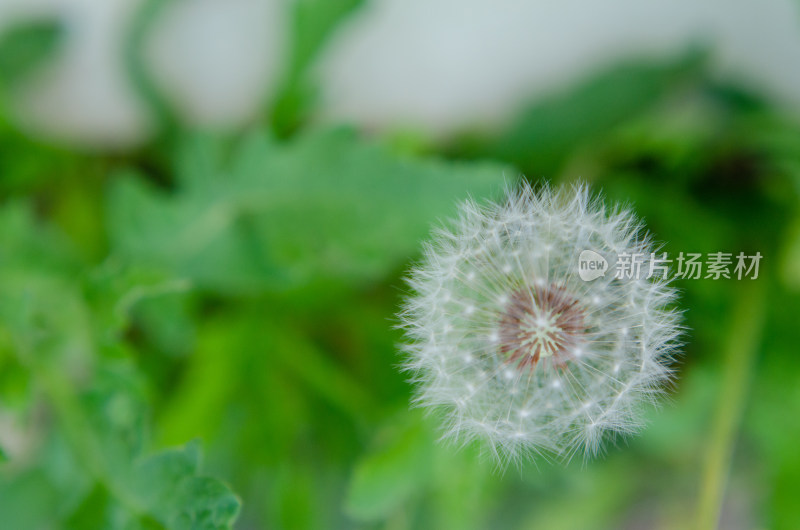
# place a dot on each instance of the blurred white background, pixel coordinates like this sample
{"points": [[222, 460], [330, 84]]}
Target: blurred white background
{"points": [[431, 65]]}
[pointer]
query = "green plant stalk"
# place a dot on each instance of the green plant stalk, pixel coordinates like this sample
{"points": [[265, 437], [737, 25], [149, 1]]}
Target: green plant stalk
{"points": [[83, 441], [747, 323]]}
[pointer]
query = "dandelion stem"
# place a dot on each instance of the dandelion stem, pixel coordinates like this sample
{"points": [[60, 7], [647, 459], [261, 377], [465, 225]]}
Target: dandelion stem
{"points": [[746, 326]]}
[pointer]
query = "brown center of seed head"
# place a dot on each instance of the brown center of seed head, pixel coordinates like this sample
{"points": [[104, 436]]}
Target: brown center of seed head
{"points": [[541, 322]]}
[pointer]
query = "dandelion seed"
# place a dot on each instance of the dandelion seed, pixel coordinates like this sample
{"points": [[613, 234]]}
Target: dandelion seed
{"points": [[521, 335]]}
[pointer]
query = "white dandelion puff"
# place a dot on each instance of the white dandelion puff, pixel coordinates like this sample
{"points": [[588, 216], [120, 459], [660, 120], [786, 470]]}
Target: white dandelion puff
{"points": [[509, 343]]}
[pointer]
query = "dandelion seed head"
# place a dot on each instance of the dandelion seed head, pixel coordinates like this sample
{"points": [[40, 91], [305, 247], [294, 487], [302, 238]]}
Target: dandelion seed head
{"points": [[537, 359]]}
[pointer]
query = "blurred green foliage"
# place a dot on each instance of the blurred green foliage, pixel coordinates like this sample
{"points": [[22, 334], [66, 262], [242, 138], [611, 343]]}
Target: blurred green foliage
{"points": [[237, 293], [23, 48]]}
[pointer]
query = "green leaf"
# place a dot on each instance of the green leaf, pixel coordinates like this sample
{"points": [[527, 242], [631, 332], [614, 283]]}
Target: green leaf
{"points": [[281, 216], [119, 293], [197, 403], [142, 19], [161, 491], [385, 479], [554, 127], [790, 265], [313, 22], [28, 502], [61, 324], [97, 480], [25, 46], [169, 485], [29, 244]]}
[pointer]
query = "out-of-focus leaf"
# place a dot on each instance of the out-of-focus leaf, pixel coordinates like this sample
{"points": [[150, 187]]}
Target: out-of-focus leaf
{"points": [[118, 292], [600, 496], [62, 324], [281, 216], [385, 479], [769, 425], [790, 266], [294, 498], [465, 490], [31, 168], [106, 431], [241, 393], [197, 404], [320, 373], [27, 244], [166, 487], [313, 21], [142, 20], [24, 46], [165, 317], [169, 485], [553, 128], [28, 502], [43, 306]]}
